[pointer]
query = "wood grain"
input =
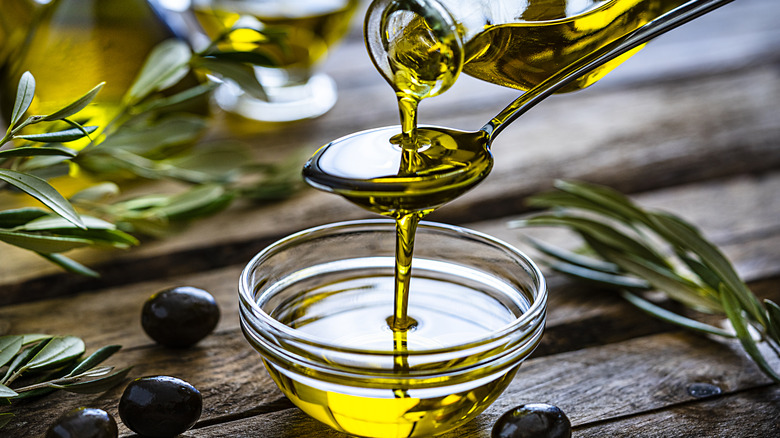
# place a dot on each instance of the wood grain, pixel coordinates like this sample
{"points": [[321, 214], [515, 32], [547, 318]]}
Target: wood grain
{"points": [[707, 123]]}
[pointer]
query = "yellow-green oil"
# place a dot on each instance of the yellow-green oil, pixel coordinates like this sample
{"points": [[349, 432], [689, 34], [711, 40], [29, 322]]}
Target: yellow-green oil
{"points": [[297, 34], [350, 312], [551, 34]]}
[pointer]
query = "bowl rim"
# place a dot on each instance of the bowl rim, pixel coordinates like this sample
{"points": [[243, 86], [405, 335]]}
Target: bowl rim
{"points": [[530, 321]]}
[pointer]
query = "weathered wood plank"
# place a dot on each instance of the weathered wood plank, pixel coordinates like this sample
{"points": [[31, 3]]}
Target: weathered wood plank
{"points": [[751, 241], [666, 132], [749, 414], [597, 384]]}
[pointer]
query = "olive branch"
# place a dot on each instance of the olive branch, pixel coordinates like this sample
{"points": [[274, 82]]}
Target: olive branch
{"points": [[49, 363], [637, 250], [150, 138]]}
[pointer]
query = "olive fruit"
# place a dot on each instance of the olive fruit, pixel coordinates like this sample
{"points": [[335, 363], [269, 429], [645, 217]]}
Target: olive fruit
{"points": [[533, 420], [179, 317], [84, 423], [160, 406]]}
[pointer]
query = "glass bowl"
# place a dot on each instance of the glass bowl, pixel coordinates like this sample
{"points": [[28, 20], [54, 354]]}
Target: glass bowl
{"points": [[315, 305]]}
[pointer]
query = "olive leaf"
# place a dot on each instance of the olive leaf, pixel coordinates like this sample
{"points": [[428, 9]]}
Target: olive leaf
{"points": [[6, 392], [166, 64], [43, 243], [24, 96], [21, 359], [19, 216], [76, 105], [657, 250], [44, 192], [94, 385], [671, 317], [30, 151], [773, 318], [94, 359], [732, 307], [60, 136], [57, 351], [52, 363], [9, 347], [159, 103], [69, 264], [242, 74]]}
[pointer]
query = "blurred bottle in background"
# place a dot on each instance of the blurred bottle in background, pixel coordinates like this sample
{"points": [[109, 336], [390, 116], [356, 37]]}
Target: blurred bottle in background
{"points": [[298, 37]]}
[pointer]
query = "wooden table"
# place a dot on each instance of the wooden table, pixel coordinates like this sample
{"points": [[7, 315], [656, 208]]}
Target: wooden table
{"points": [[690, 125]]}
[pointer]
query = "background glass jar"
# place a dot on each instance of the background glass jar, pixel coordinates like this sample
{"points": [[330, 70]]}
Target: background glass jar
{"points": [[315, 306], [298, 37]]}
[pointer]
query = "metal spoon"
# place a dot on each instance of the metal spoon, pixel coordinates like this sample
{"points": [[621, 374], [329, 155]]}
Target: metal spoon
{"points": [[364, 166]]}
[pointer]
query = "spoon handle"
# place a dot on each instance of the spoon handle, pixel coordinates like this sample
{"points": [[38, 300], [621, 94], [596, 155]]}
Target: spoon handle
{"points": [[660, 25]]}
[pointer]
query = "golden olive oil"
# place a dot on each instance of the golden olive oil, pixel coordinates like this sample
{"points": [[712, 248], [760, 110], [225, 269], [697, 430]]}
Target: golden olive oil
{"points": [[350, 312], [298, 33], [551, 34]]}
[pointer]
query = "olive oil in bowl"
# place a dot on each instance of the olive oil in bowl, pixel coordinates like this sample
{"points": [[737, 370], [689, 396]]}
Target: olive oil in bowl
{"points": [[318, 305]]}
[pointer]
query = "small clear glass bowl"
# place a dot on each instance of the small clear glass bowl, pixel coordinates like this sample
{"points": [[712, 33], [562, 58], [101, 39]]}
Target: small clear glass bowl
{"points": [[315, 306]]}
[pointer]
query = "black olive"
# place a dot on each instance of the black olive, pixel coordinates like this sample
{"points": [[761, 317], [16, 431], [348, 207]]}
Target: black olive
{"points": [[179, 317], [84, 423], [160, 406], [533, 420]]}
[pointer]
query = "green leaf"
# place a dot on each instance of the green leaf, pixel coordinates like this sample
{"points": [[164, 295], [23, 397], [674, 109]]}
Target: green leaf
{"points": [[7, 392], [571, 257], [671, 317], [57, 223], [96, 385], [35, 337], [178, 98], [602, 278], [77, 105], [603, 199], [96, 192], [166, 64], [24, 96], [148, 139], [42, 243], [19, 216], [95, 236], [773, 318], [57, 351], [196, 202], [60, 136], [44, 192], [22, 358], [662, 278], [687, 238], [9, 347], [30, 151], [734, 313], [242, 74], [593, 230], [95, 358], [69, 264]]}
